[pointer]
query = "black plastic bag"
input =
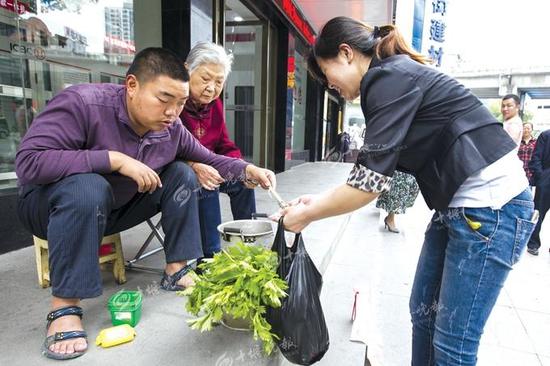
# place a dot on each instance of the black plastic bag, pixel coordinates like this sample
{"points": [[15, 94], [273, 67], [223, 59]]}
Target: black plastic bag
{"points": [[299, 322]]}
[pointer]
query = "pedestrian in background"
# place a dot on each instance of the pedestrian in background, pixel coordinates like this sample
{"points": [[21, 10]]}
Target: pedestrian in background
{"points": [[540, 165], [402, 194], [512, 123], [526, 148]]}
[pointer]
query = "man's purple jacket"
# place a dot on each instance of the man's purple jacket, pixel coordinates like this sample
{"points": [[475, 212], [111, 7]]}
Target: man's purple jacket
{"points": [[82, 123]]}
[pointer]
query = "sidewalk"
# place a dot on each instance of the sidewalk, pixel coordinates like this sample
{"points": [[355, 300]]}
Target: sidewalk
{"points": [[366, 257]]}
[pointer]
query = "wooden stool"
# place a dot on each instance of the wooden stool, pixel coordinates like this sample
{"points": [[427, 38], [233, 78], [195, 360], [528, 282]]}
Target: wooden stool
{"points": [[116, 257]]}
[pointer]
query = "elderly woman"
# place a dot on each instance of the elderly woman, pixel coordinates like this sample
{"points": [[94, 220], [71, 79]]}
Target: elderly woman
{"points": [[203, 115]]}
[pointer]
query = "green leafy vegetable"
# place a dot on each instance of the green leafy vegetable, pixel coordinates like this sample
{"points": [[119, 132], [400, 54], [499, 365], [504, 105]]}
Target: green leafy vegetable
{"points": [[240, 281]]}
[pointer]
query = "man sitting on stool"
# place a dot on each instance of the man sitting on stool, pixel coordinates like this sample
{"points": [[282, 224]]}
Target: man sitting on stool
{"points": [[101, 158]]}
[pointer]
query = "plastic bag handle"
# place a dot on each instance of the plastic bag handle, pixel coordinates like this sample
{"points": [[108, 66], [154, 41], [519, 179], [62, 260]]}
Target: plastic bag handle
{"points": [[281, 248], [297, 236], [280, 227], [297, 243]]}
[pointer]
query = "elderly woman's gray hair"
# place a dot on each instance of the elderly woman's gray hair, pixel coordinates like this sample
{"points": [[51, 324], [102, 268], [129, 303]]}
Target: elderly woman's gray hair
{"points": [[209, 53]]}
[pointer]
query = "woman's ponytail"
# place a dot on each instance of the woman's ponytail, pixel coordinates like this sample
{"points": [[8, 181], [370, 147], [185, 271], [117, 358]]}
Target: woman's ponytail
{"points": [[392, 43], [382, 42]]}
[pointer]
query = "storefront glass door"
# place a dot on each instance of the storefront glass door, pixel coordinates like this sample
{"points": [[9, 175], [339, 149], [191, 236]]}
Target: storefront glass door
{"points": [[246, 95], [295, 152]]}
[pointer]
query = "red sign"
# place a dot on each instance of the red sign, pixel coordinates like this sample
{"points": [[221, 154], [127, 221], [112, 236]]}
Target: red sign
{"points": [[10, 5], [240, 37], [297, 19], [118, 43], [291, 64]]}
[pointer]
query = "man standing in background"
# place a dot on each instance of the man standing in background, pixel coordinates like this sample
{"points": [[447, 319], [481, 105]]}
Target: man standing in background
{"points": [[540, 165], [526, 148], [511, 121]]}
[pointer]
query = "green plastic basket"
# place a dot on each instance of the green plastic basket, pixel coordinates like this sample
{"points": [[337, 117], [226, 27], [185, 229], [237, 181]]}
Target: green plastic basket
{"points": [[125, 307]]}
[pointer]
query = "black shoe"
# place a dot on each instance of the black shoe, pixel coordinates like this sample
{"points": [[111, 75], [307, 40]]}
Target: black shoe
{"points": [[198, 270], [533, 251], [62, 336], [170, 282]]}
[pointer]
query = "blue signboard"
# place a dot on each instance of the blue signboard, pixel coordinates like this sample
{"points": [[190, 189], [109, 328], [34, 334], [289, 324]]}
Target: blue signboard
{"points": [[418, 24], [436, 28]]}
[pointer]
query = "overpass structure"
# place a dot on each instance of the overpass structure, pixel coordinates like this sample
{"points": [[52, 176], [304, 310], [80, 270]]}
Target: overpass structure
{"points": [[528, 81]]}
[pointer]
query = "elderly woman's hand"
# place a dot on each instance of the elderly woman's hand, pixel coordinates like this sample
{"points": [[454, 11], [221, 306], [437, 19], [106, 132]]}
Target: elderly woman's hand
{"points": [[264, 177], [209, 178]]}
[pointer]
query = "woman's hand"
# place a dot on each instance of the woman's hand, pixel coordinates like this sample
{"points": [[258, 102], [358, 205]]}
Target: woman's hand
{"points": [[297, 215], [208, 177], [264, 177]]}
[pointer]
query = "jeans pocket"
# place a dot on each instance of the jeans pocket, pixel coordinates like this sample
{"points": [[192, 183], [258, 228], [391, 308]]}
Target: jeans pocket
{"points": [[480, 222], [524, 228]]}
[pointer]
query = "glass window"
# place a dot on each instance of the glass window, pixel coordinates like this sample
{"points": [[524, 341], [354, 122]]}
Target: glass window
{"points": [[46, 75], [295, 152], [243, 90], [105, 78], [201, 23], [49, 46]]}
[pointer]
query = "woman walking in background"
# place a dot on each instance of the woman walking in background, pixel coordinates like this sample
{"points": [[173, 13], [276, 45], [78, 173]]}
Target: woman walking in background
{"points": [[402, 194]]}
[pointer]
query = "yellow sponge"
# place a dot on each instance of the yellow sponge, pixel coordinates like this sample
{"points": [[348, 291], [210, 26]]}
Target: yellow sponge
{"points": [[115, 335]]}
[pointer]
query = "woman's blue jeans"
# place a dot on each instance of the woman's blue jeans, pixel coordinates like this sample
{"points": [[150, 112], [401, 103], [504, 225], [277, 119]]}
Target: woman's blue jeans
{"points": [[460, 272], [243, 205]]}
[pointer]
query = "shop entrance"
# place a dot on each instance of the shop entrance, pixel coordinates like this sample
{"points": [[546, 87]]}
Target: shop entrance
{"points": [[248, 95]]}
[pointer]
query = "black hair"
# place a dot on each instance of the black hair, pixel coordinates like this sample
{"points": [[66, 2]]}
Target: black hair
{"points": [[153, 62], [384, 41], [512, 96]]}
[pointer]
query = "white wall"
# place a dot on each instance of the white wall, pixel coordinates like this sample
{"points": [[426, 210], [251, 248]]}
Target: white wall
{"points": [[404, 14]]}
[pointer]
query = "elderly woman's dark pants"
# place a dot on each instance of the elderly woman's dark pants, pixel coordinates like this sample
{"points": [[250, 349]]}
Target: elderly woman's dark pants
{"points": [[75, 213]]}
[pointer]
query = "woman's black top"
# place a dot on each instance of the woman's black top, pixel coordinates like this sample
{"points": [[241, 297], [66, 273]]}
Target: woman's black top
{"points": [[423, 122]]}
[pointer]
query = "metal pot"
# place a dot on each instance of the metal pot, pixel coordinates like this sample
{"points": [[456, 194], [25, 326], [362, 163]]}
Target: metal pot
{"points": [[251, 232], [236, 324]]}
